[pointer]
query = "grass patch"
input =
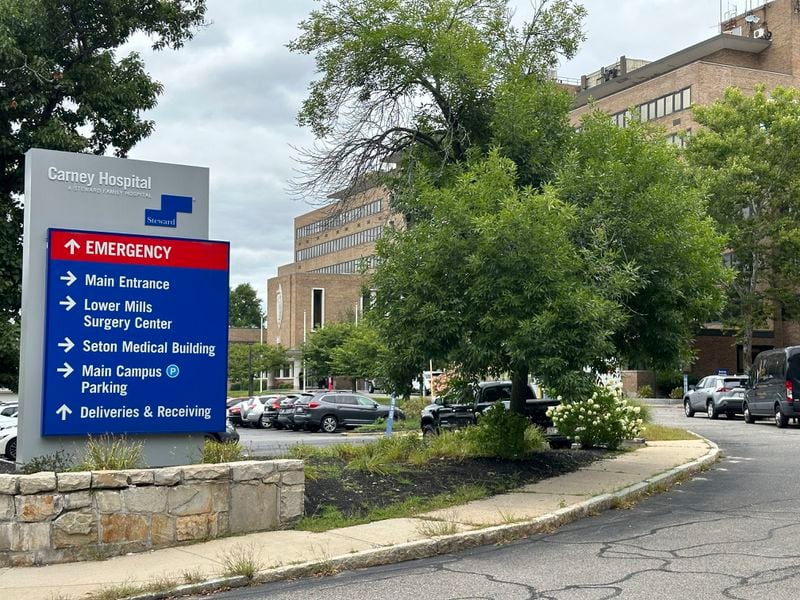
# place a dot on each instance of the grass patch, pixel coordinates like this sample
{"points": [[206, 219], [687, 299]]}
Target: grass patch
{"points": [[332, 518], [221, 452], [662, 433], [112, 453], [241, 561], [125, 590], [380, 425], [431, 528]]}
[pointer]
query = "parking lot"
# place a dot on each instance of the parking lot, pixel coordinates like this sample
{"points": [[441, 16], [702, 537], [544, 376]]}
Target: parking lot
{"points": [[271, 442]]}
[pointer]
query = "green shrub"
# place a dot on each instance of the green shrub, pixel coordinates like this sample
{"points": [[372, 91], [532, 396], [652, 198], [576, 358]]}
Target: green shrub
{"points": [[534, 439], [645, 391], [676, 393], [606, 418], [112, 453], [499, 434], [221, 452], [413, 406], [58, 461]]}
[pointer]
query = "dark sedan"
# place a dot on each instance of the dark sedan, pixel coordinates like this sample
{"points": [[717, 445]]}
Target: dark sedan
{"points": [[330, 410]]}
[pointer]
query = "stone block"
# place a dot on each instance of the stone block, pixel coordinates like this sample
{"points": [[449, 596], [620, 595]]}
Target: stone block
{"points": [[207, 472], [7, 509], [108, 501], [123, 528], [146, 499], [252, 469], [6, 536], [38, 482], [254, 507], [292, 503], [288, 464], [273, 477], [140, 476], [192, 527], [167, 476], [72, 482], [9, 484], [293, 477], [162, 530], [38, 507], [77, 528], [189, 500], [77, 500], [29, 537], [109, 479], [218, 527], [220, 496]]}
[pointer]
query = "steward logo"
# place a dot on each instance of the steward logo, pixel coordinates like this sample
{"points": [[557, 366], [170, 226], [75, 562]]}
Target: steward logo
{"points": [[167, 215]]}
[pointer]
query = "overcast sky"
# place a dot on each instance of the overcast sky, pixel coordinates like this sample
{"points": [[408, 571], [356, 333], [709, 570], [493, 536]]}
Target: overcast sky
{"points": [[232, 93]]}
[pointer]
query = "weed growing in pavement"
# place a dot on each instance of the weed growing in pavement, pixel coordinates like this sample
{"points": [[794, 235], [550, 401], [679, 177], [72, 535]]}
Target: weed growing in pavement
{"points": [[194, 576], [221, 452], [125, 590], [508, 518], [431, 528], [112, 453], [241, 561]]}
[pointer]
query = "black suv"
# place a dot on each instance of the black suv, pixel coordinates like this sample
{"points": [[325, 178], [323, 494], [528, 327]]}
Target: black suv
{"points": [[330, 410], [774, 383]]}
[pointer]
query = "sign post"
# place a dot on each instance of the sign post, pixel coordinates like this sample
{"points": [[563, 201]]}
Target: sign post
{"points": [[122, 298]]}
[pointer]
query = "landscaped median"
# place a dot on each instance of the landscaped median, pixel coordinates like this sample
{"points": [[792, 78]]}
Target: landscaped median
{"points": [[616, 480]]}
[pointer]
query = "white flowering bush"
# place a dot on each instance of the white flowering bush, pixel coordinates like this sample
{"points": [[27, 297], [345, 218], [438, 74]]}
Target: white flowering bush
{"points": [[606, 418]]}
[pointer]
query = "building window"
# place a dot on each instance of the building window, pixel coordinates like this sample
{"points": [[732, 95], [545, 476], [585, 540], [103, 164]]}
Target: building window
{"points": [[317, 308], [340, 218], [364, 236], [349, 267], [656, 109]]}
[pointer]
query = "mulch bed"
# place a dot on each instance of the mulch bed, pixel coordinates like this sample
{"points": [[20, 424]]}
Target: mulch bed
{"points": [[355, 493]]}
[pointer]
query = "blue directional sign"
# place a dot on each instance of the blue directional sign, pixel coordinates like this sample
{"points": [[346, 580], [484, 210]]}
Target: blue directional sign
{"points": [[136, 334]]}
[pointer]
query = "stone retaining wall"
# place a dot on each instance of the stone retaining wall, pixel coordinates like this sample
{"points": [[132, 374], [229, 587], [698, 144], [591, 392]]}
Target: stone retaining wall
{"points": [[50, 518]]}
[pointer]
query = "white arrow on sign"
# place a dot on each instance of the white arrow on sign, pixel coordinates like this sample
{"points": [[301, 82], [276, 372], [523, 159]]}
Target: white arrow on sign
{"points": [[66, 370], [67, 344], [69, 278], [64, 410], [72, 245], [68, 302]]}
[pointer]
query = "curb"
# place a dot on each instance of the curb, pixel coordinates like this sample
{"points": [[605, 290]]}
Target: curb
{"points": [[497, 534]]}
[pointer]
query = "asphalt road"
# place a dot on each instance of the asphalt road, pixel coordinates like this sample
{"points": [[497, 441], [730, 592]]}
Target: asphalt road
{"points": [[271, 442], [729, 533]]}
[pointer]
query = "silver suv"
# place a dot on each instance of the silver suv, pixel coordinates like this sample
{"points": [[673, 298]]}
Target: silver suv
{"points": [[715, 395]]}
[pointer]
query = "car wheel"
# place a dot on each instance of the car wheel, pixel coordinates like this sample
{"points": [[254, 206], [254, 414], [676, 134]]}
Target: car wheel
{"points": [[687, 408], [428, 431], [711, 410], [11, 449], [329, 423], [295, 427], [265, 422], [748, 418], [781, 420]]}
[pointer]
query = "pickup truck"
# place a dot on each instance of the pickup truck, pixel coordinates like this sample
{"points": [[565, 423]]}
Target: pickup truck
{"points": [[448, 413]]}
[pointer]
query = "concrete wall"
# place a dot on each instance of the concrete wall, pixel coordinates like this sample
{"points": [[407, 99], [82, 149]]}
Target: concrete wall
{"points": [[50, 518]]}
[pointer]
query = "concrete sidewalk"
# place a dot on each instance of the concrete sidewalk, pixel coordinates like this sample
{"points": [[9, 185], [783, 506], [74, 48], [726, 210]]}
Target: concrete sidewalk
{"points": [[283, 554]]}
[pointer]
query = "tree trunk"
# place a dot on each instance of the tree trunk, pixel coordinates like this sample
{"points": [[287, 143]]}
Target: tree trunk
{"points": [[519, 383], [749, 325]]}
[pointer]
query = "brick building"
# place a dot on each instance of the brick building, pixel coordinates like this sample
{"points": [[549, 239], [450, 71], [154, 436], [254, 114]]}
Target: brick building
{"points": [[761, 46], [333, 245]]}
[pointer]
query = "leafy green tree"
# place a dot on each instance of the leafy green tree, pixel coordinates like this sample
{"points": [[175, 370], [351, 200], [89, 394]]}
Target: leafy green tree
{"points": [[247, 361], [422, 78], [244, 307], [493, 282], [747, 155], [63, 87], [360, 356], [319, 347], [637, 200]]}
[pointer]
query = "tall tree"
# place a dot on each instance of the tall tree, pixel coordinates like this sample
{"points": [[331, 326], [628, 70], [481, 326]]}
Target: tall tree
{"points": [[244, 307], [636, 198], [418, 77], [361, 355], [318, 349], [747, 155], [63, 87]]}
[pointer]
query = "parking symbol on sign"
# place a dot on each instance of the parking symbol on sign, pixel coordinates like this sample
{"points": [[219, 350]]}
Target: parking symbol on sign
{"points": [[173, 371]]}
